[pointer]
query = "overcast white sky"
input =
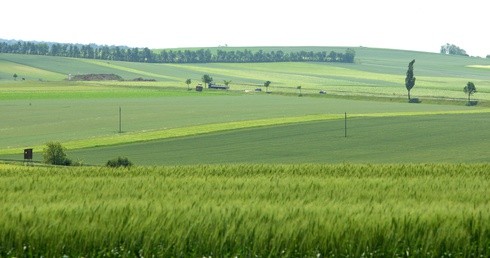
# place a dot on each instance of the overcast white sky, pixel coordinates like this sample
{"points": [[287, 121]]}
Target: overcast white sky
{"points": [[422, 25]]}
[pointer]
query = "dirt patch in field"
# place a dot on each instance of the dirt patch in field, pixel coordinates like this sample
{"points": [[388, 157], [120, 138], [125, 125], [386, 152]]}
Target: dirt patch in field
{"points": [[104, 77], [96, 77]]}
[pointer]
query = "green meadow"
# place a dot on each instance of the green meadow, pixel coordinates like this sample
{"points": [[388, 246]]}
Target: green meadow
{"points": [[357, 171]]}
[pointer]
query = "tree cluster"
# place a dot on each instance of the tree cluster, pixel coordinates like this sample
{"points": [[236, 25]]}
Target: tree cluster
{"points": [[54, 154], [118, 53], [451, 49]]}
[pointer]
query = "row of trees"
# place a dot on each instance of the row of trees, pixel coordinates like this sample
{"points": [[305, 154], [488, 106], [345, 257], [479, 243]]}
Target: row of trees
{"points": [[91, 51], [117, 53], [451, 49], [247, 56]]}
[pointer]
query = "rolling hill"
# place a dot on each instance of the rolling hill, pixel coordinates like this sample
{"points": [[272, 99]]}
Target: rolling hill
{"points": [[45, 106], [242, 172]]}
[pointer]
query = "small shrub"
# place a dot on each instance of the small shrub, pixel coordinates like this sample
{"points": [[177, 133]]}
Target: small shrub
{"points": [[472, 103], [67, 162], [54, 154], [141, 79], [119, 162], [414, 100]]}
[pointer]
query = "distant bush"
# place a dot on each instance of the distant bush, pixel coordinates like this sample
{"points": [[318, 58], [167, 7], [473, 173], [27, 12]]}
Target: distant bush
{"points": [[414, 100], [472, 103], [77, 163], [141, 79], [119, 162], [54, 154]]}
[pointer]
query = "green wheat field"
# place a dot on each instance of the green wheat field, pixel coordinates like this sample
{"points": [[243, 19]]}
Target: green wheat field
{"points": [[425, 210]]}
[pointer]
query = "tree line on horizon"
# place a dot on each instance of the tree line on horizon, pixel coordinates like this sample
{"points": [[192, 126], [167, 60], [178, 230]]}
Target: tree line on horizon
{"points": [[119, 53], [451, 49]]}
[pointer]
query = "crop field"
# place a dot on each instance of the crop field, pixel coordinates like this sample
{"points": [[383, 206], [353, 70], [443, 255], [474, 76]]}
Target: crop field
{"points": [[68, 111], [91, 119], [434, 138], [377, 72], [246, 210], [243, 173], [162, 122], [46, 107]]}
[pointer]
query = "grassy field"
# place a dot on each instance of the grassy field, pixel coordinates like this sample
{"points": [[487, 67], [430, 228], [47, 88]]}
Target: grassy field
{"points": [[246, 210]]}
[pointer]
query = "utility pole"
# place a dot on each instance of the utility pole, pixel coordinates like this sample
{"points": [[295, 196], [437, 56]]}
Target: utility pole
{"points": [[120, 125], [345, 125]]}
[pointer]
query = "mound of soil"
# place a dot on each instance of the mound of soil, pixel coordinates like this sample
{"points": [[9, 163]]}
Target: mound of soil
{"points": [[140, 79], [96, 77]]}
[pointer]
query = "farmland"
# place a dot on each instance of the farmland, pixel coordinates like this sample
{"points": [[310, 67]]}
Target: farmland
{"points": [[246, 210], [319, 142], [89, 122], [85, 114], [242, 172]]}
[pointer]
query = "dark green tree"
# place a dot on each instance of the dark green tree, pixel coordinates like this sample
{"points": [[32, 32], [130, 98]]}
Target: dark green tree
{"points": [[410, 79], [207, 79], [349, 55], [15, 77], [188, 82], [54, 154], [469, 89], [267, 84], [299, 90]]}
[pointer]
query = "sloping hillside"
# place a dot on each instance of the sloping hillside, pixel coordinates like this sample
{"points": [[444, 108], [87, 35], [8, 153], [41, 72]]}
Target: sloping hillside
{"points": [[376, 72]]}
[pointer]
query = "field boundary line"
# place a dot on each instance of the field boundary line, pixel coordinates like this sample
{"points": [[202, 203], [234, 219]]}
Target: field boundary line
{"points": [[422, 113]]}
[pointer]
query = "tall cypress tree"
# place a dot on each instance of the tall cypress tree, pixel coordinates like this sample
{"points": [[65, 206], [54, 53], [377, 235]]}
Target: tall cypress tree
{"points": [[410, 80]]}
